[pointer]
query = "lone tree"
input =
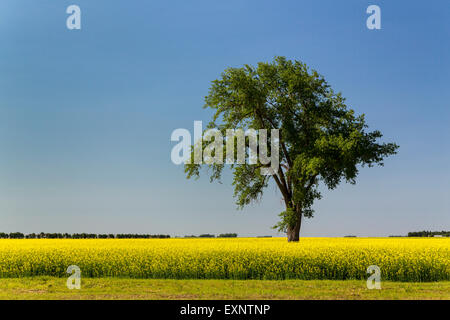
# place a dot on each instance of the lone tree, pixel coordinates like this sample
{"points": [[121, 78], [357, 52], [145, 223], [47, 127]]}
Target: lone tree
{"points": [[320, 138]]}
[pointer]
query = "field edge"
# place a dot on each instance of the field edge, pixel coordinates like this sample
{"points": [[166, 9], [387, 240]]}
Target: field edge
{"points": [[53, 288]]}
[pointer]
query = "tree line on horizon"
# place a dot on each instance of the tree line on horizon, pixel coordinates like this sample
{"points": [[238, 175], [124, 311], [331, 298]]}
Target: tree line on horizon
{"points": [[43, 235], [207, 235], [429, 233]]}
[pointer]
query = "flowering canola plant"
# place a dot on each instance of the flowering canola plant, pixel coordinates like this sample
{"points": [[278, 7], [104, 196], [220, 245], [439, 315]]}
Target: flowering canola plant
{"points": [[400, 259]]}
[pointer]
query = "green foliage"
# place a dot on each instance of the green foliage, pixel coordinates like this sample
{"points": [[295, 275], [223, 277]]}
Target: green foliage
{"points": [[288, 220], [321, 139]]}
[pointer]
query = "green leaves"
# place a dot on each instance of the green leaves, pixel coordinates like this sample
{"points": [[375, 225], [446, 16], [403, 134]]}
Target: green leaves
{"points": [[248, 184], [288, 219]]}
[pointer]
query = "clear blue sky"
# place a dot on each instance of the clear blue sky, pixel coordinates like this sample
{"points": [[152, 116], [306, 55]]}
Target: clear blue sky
{"points": [[86, 115]]}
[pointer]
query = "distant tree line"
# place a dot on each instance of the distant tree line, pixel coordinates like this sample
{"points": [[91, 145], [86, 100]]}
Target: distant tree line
{"points": [[228, 235], [207, 235], [429, 233], [43, 235]]}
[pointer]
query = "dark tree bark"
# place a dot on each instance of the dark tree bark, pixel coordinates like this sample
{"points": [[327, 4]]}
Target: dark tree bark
{"points": [[293, 233]]}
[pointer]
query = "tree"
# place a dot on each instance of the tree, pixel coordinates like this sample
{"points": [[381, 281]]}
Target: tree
{"points": [[320, 138]]}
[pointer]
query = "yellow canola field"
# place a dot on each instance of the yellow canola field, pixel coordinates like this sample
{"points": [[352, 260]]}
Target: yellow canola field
{"points": [[400, 259]]}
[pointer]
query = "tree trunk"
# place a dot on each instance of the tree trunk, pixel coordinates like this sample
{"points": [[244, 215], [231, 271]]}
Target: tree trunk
{"points": [[293, 233]]}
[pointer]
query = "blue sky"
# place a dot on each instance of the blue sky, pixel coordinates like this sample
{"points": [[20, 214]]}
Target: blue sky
{"points": [[86, 115]]}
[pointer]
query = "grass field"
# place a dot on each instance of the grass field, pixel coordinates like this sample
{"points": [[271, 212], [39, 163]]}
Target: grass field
{"points": [[114, 288], [399, 259]]}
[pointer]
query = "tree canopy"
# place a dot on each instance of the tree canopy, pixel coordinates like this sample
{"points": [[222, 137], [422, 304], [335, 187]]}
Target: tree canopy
{"points": [[321, 140]]}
